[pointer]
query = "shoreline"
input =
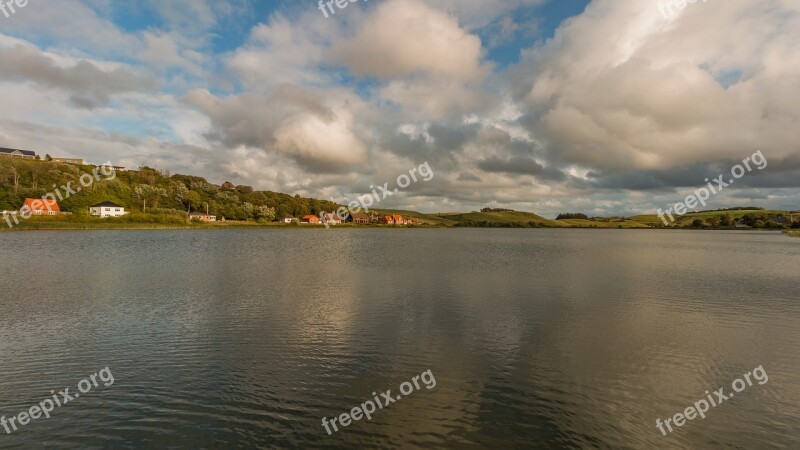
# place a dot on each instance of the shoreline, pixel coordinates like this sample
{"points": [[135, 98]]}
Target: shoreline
{"points": [[228, 225]]}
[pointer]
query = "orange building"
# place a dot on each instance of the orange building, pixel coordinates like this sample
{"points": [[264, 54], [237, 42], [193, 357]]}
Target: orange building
{"points": [[41, 207]]}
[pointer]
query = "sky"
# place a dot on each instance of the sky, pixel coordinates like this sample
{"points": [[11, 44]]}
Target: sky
{"points": [[605, 107]]}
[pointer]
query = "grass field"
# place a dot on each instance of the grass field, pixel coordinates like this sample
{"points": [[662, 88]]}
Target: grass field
{"points": [[499, 218], [612, 222]]}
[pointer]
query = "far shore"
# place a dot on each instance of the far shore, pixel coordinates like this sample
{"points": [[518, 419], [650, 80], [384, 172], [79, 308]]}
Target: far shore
{"points": [[106, 225]]}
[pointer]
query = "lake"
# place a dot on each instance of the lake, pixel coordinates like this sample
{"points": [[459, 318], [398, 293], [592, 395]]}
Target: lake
{"points": [[536, 338]]}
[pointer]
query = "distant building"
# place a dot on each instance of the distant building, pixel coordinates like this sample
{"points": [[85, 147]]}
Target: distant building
{"points": [[290, 220], [741, 224], [107, 209], [312, 219], [387, 220], [14, 153], [75, 161], [330, 218], [202, 217], [360, 218], [40, 207], [399, 220], [782, 220]]}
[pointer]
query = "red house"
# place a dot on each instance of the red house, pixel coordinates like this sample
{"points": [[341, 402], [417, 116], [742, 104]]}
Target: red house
{"points": [[40, 207], [312, 219], [399, 220]]}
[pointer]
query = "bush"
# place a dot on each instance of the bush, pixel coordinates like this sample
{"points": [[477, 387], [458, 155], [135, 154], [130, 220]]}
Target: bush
{"points": [[572, 216]]}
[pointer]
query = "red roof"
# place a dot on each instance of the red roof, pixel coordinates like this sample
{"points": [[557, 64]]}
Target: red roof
{"points": [[38, 204]]}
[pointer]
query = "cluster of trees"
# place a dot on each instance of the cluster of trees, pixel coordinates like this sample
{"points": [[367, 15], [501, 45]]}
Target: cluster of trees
{"points": [[488, 210], [752, 220], [150, 191], [740, 208], [565, 216]]}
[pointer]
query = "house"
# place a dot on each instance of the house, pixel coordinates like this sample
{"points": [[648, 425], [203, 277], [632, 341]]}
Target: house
{"points": [[107, 209], [782, 220], [202, 217], [14, 153], [330, 218], [399, 220], [741, 224], [40, 207], [359, 218], [290, 220], [312, 219], [75, 161], [388, 220]]}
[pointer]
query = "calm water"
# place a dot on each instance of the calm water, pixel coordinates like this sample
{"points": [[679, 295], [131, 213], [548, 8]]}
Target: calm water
{"points": [[536, 338]]}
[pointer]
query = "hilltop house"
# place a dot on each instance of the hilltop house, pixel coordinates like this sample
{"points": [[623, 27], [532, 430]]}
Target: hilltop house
{"points": [[40, 207], [14, 153], [107, 209]]}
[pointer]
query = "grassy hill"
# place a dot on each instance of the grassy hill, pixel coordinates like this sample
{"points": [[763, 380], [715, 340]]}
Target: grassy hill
{"points": [[606, 222], [758, 218], [498, 219]]}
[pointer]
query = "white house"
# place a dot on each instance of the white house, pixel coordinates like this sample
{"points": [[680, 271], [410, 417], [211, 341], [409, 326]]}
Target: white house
{"points": [[14, 153], [202, 217], [107, 209]]}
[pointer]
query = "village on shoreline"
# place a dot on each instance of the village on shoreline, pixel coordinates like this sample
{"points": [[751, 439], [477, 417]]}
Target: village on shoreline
{"points": [[108, 196]]}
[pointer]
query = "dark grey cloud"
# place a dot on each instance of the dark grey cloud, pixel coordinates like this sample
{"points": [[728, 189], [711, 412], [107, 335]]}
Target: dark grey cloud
{"points": [[89, 86], [779, 173]]}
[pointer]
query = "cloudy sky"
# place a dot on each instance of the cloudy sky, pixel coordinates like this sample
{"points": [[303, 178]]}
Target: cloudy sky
{"points": [[602, 106]]}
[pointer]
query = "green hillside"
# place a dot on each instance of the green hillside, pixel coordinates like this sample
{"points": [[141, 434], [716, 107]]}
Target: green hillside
{"points": [[164, 196], [500, 219]]}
